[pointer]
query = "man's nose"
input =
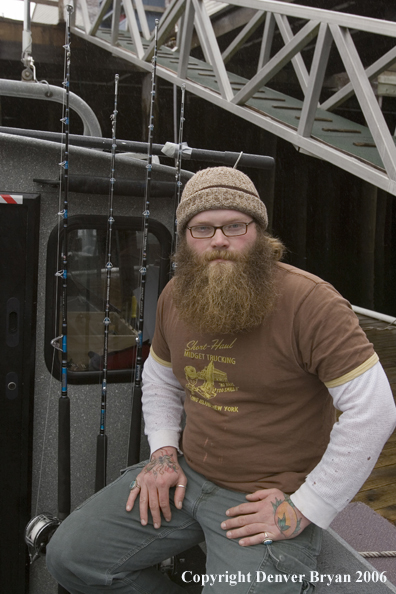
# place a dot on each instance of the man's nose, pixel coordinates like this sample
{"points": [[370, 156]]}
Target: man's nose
{"points": [[219, 239]]}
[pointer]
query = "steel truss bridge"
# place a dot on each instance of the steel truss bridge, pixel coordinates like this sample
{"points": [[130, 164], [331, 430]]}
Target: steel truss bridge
{"points": [[368, 151]]}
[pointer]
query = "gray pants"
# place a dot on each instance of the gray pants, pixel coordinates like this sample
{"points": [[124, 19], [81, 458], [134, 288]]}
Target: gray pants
{"points": [[102, 548]]}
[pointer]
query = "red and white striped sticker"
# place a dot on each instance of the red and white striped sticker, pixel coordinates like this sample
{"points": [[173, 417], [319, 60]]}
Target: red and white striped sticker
{"points": [[11, 199]]}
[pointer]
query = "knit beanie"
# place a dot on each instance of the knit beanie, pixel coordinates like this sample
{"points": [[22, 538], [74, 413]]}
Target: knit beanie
{"points": [[220, 188]]}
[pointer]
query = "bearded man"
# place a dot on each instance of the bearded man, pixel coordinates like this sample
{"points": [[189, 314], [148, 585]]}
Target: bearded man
{"points": [[257, 354]]}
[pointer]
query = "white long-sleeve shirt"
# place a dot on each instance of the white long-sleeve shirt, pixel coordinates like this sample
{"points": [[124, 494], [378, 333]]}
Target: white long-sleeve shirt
{"points": [[357, 438]]}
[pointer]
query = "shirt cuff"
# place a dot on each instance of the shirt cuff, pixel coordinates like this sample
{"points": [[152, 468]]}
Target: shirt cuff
{"points": [[163, 438], [308, 502]]}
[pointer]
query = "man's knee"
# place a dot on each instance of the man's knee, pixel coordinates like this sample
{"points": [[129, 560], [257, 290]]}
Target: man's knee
{"points": [[69, 549], [52, 563], [57, 556]]}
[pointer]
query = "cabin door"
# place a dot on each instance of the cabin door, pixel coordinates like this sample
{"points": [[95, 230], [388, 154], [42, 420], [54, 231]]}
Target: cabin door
{"points": [[19, 240]]}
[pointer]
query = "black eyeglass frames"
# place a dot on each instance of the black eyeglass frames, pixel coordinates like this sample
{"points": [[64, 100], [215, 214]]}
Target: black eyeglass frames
{"points": [[229, 230]]}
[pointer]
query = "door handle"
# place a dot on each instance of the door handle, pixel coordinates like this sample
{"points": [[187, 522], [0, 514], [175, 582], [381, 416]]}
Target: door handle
{"points": [[12, 322]]}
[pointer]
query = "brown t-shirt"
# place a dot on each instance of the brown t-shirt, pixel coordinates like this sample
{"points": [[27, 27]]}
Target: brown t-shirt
{"points": [[258, 410]]}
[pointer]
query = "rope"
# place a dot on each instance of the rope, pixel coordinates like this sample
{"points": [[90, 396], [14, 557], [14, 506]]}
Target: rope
{"points": [[237, 161]]}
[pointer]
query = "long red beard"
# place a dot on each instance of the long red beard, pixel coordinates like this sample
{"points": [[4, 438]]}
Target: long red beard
{"points": [[226, 297]]}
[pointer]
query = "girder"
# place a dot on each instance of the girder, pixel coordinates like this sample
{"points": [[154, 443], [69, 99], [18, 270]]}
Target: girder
{"points": [[367, 151]]}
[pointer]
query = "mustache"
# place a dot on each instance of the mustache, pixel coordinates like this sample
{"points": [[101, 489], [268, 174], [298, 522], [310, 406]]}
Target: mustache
{"points": [[221, 254]]}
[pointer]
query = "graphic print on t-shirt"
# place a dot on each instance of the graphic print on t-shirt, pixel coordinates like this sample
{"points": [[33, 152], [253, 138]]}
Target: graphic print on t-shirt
{"points": [[209, 381]]}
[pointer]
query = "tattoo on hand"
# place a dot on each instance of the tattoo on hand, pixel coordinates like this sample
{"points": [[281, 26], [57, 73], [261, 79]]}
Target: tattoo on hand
{"points": [[285, 516], [161, 465]]}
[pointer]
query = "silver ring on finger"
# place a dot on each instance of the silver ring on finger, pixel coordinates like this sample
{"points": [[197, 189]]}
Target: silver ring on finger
{"points": [[134, 485], [267, 540], [183, 486]]}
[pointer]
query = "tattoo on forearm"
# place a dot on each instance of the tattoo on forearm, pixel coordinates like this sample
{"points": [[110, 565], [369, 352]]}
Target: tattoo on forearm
{"points": [[285, 516], [161, 465]]}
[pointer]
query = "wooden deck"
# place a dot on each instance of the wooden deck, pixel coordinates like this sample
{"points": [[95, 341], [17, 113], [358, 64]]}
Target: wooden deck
{"points": [[379, 491]]}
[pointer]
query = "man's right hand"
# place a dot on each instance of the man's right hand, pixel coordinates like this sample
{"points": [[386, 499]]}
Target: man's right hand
{"points": [[155, 480]]}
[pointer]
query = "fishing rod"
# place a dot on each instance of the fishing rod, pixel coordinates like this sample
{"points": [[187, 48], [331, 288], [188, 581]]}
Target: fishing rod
{"points": [[135, 429], [179, 183], [40, 529], [64, 487], [101, 443]]}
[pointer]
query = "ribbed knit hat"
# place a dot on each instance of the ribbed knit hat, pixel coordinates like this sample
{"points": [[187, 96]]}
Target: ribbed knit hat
{"points": [[220, 188]]}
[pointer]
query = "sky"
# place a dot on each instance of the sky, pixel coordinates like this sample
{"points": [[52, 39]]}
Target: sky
{"points": [[13, 9]]}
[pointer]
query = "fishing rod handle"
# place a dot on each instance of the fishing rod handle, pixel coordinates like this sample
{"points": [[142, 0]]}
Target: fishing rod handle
{"points": [[101, 458], [64, 488], [135, 427]]}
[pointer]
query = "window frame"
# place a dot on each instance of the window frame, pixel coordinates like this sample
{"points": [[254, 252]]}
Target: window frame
{"points": [[53, 309]]}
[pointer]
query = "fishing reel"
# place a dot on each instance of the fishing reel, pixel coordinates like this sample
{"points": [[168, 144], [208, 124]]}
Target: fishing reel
{"points": [[38, 533]]}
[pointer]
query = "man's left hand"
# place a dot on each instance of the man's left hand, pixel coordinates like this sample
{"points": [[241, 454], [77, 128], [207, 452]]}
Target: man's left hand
{"points": [[270, 514]]}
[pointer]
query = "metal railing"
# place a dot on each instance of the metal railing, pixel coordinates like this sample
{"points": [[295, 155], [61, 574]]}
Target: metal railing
{"points": [[323, 28], [46, 92]]}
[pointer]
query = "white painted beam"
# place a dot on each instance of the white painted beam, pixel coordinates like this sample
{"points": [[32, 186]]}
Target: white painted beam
{"points": [[301, 39], [318, 69], [366, 97]]}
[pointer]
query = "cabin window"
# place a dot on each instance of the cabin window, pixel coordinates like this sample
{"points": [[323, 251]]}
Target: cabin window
{"points": [[86, 295]]}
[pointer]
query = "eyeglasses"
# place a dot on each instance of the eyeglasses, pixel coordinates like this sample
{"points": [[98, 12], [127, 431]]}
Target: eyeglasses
{"points": [[208, 231]]}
